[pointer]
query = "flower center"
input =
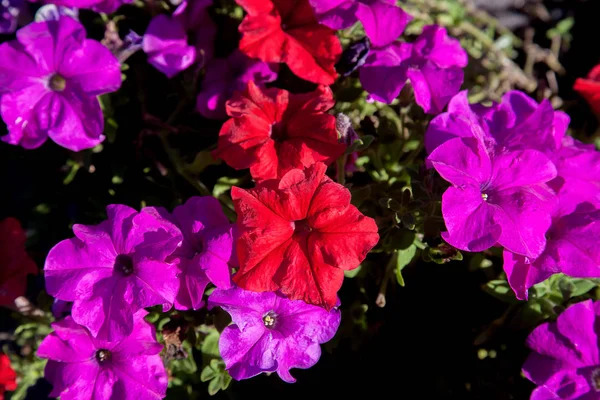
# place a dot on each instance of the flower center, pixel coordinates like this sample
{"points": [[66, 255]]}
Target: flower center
{"points": [[124, 263], [484, 196], [302, 227], [57, 83], [278, 133], [102, 355], [270, 319]]}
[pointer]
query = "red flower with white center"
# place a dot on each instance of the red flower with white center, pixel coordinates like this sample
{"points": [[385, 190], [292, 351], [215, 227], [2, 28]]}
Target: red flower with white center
{"points": [[273, 131], [589, 88], [299, 235], [15, 264], [287, 31], [8, 377]]}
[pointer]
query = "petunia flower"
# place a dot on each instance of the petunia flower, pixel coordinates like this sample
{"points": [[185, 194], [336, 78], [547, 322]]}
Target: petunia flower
{"points": [[433, 63], [9, 15], [517, 123], [166, 39], [273, 131], [101, 6], [8, 376], [383, 21], [206, 251], [286, 31], [83, 367], [111, 270], [299, 235], [50, 80], [225, 76], [564, 361], [15, 264], [271, 333], [589, 88], [495, 197]]}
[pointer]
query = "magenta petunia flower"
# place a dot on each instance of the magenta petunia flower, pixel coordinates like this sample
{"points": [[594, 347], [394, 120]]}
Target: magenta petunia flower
{"points": [[517, 123], [564, 362], [271, 333], [111, 270], [495, 197], [82, 367], [206, 251], [433, 63], [225, 76], [571, 248], [50, 79], [383, 21], [166, 39]]}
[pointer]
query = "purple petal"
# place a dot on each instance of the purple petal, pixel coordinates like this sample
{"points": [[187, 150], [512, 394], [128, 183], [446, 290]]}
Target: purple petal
{"points": [[469, 219], [383, 74], [75, 380], [434, 86], [336, 14], [523, 275], [20, 113], [247, 352], [191, 289], [69, 343], [435, 45], [521, 168], [245, 307], [155, 283]]}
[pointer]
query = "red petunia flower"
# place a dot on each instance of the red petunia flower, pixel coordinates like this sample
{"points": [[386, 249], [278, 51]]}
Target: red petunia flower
{"points": [[287, 31], [299, 235], [8, 377], [589, 88], [15, 264], [273, 131]]}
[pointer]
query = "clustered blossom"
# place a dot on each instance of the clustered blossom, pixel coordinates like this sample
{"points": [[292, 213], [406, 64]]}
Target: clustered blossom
{"points": [[271, 333], [50, 80], [518, 182], [565, 363], [81, 366], [166, 40], [273, 131], [15, 264]]}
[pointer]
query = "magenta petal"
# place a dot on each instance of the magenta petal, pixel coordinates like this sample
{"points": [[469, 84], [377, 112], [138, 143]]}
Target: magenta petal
{"points": [[20, 113], [336, 14], [444, 51], [246, 308], [155, 283], [383, 22], [470, 220], [574, 241], [525, 219], [74, 379], [577, 325], [462, 161], [247, 352], [21, 72], [191, 289], [521, 168], [522, 275], [69, 343]]}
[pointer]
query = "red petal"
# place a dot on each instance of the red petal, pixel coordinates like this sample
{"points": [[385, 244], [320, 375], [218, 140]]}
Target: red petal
{"points": [[590, 91], [15, 264], [8, 377], [305, 132], [289, 33], [321, 234]]}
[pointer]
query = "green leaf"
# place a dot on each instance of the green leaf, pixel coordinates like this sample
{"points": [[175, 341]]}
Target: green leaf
{"points": [[202, 160], [582, 286], [207, 374], [403, 258], [360, 144], [210, 344], [353, 272]]}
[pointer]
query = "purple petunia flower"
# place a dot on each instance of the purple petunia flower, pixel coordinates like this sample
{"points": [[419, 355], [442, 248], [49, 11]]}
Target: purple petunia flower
{"points": [[111, 270], [433, 64], [383, 21], [517, 123], [225, 76], [571, 248], [166, 39], [82, 367], [50, 80], [496, 197], [101, 6], [271, 333], [206, 251], [9, 15], [564, 362]]}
